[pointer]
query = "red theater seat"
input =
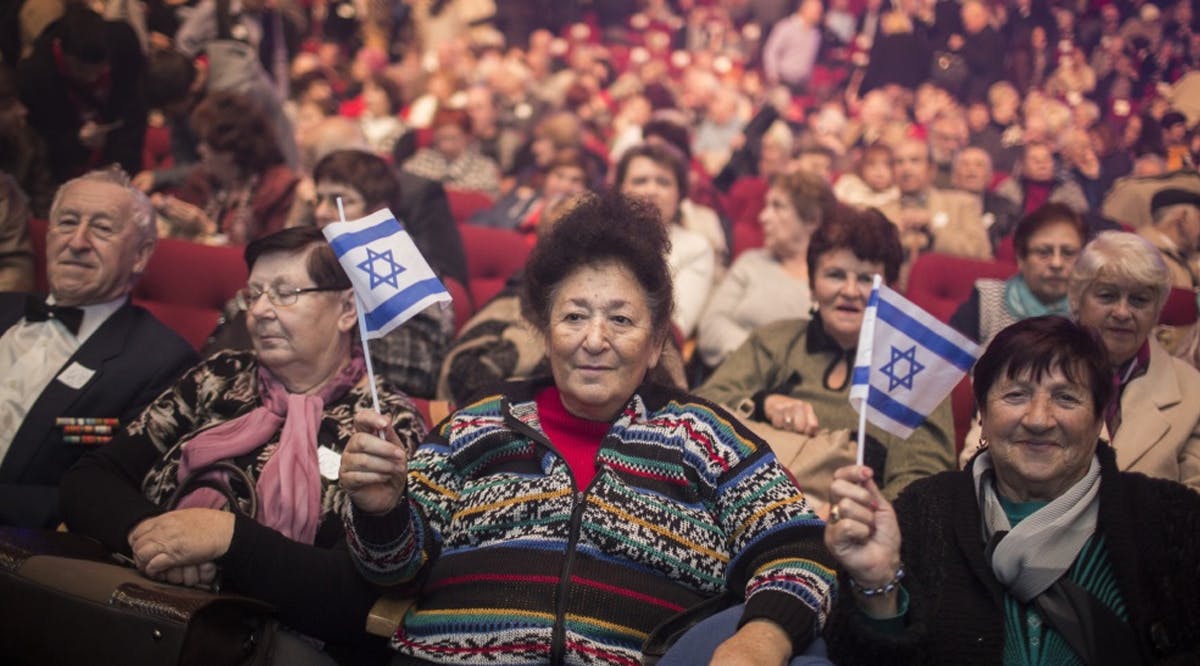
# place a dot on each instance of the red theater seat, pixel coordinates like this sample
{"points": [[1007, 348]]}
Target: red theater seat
{"points": [[493, 255], [1180, 308], [939, 283], [465, 203]]}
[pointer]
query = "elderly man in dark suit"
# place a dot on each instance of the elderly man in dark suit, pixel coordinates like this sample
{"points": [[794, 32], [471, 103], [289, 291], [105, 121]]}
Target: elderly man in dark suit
{"points": [[84, 356]]}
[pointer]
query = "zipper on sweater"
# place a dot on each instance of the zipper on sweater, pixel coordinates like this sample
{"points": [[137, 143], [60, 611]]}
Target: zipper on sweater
{"points": [[558, 639]]}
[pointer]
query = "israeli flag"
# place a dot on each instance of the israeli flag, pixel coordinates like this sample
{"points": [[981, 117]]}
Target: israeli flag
{"points": [[391, 278], [907, 362]]}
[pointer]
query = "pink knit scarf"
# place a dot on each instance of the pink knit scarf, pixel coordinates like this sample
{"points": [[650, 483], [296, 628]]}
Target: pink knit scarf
{"points": [[289, 487]]}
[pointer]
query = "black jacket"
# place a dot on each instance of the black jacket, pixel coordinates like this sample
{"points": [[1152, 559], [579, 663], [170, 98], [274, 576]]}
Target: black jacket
{"points": [[134, 357], [956, 605]]}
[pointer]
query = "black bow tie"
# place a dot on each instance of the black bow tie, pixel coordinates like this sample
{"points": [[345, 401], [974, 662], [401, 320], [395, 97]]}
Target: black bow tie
{"points": [[38, 310]]}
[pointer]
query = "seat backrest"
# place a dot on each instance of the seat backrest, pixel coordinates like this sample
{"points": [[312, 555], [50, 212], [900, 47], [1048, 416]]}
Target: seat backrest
{"points": [[465, 203], [186, 273], [939, 283], [1180, 308], [493, 255], [193, 323]]}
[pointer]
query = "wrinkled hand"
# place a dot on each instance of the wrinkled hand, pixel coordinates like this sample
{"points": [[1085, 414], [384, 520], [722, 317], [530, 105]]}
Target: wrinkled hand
{"points": [[757, 643], [791, 414], [374, 470], [92, 135], [180, 538], [144, 181], [186, 219], [865, 538]]}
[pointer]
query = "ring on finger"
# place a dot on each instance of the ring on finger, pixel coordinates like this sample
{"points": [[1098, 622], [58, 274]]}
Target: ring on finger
{"points": [[835, 514]]}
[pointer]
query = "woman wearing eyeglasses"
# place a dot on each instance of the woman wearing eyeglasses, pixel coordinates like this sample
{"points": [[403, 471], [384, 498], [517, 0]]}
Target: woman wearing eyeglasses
{"points": [[281, 414], [1046, 243]]}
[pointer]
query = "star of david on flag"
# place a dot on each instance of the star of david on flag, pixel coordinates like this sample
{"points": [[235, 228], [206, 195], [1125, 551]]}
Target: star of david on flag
{"points": [[392, 280], [907, 362]]}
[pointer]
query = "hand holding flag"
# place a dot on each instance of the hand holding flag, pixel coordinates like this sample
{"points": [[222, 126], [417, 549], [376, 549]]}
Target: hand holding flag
{"points": [[907, 363]]}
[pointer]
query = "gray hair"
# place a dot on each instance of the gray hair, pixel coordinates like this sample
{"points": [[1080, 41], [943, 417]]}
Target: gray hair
{"points": [[141, 211], [1119, 254]]}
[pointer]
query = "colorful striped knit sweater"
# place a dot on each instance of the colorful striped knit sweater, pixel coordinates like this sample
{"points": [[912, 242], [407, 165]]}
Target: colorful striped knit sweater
{"points": [[515, 566]]}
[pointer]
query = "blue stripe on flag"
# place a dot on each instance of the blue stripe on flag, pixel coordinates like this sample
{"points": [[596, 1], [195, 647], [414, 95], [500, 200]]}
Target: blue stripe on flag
{"points": [[884, 404], [862, 375], [401, 301], [914, 329], [346, 242], [874, 299]]}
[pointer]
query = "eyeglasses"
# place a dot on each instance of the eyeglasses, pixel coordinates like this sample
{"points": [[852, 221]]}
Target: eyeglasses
{"points": [[1045, 252], [246, 297]]}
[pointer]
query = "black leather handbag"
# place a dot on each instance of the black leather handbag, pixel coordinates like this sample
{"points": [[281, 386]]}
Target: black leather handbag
{"points": [[65, 600]]}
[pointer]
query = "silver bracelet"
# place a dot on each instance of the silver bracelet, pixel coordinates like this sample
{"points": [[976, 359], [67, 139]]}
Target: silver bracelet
{"points": [[875, 591]]}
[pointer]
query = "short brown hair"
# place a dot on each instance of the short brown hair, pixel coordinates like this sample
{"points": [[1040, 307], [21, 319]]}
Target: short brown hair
{"points": [[863, 231], [1042, 216], [322, 265]]}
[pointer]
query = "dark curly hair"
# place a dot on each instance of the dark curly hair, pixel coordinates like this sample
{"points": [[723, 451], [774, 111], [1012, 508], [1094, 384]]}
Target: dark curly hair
{"points": [[366, 172], [228, 121], [863, 231], [595, 231]]}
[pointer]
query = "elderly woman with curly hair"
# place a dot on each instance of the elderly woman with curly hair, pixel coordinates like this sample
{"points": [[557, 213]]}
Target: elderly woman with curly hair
{"points": [[563, 519], [242, 189]]}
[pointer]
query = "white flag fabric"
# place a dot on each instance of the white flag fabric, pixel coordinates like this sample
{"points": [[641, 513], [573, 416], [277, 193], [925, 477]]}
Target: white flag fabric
{"points": [[392, 280], [907, 362]]}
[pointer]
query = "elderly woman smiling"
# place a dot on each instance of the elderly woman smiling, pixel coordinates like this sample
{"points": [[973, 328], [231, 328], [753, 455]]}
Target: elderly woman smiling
{"points": [[565, 518], [281, 414], [1118, 288], [1041, 552], [794, 374]]}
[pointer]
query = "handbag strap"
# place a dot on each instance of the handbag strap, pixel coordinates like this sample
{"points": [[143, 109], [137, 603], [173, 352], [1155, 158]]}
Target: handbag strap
{"points": [[209, 476]]}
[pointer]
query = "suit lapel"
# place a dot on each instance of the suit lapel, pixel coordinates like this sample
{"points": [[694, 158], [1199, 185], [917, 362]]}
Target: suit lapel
{"points": [[58, 398], [1142, 427]]}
